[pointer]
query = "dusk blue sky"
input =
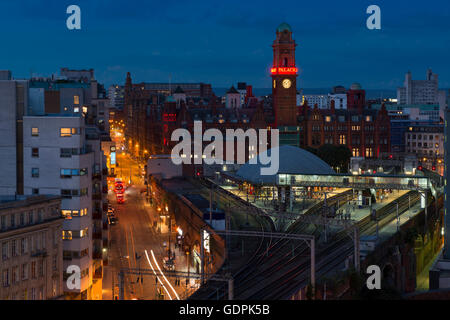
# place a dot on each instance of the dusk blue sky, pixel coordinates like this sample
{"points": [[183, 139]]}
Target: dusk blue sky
{"points": [[223, 42]]}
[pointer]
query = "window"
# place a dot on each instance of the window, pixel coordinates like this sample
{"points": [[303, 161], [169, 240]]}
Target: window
{"points": [[5, 278], [22, 219], [342, 139], [35, 152], [33, 270], [65, 173], [84, 233], [15, 275], [66, 193], [35, 172], [14, 248], [76, 99], [30, 217], [35, 191], [24, 271], [67, 235], [3, 222], [13, 220], [55, 262], [65, 153], [66, 132], [355, 152], [23, 245], [35, 132], [66, 214], [41, 268], [5, 254], [369, 153]]}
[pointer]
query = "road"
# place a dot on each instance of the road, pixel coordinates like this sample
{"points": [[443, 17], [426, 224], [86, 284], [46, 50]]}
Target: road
{"points": [[134, 238]]}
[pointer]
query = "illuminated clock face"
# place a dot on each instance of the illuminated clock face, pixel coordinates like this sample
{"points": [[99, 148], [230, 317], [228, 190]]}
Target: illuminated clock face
{"points": [[286, 83]]}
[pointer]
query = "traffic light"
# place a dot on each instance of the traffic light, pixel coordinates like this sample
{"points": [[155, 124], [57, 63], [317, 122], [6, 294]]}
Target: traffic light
{"points": [[420, 168], [433, 168]]}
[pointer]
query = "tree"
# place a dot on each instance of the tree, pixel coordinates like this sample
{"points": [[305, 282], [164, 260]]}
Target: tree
{"points": [[335, 156]]}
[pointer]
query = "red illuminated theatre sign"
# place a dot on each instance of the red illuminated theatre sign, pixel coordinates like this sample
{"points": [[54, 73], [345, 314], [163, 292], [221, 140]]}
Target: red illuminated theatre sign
{"points": [[169, 117], [291, 70]]}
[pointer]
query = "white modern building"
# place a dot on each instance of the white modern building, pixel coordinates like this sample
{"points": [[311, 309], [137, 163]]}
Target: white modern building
{"points": [[320, 99], [422, 91], [58, 161], [340, 100]]}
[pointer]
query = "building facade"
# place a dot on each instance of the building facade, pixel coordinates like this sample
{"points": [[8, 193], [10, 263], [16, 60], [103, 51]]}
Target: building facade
{"points": [[427, 143], [31, 244]]}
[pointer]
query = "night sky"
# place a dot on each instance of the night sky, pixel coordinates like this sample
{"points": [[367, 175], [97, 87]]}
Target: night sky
{"points": [[223, 42]]}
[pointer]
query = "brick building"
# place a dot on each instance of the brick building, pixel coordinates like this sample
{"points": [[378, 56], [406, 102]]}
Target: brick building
{"points": [[151, 116]]}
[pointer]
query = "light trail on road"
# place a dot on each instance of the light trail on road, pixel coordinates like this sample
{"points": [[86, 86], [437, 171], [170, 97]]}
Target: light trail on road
{"points": [[170, 285], [148, 259]]}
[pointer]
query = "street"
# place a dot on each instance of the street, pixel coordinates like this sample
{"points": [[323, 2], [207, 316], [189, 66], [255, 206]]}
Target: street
{"points": [[136, 243]]}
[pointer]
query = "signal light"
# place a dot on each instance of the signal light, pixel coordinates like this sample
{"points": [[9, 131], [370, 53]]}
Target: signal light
{"points": [[420, 168], [433, 168]]}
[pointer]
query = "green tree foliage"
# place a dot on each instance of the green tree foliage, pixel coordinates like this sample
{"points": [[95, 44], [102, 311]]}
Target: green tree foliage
{"points": [[335, 156]]}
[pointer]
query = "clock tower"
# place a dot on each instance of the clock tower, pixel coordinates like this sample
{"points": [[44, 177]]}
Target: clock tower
{"points": [[284, 76]]}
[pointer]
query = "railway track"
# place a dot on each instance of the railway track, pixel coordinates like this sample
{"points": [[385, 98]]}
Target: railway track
{"points": [[272, 250], [331, 256], [264, 277]]}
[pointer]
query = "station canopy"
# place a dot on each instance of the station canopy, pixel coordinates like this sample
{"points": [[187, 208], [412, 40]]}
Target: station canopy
{"points": [[292, 160]]}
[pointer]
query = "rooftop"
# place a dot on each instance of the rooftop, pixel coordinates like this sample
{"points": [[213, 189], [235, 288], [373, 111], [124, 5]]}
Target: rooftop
{"points": [[292, 160]]}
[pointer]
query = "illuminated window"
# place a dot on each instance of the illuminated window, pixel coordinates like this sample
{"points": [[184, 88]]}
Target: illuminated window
{"points": [[85, 109], [66, 132], [67, 235], [35, 132], [67, 214], [76, 99], [342, 139], [355, 152], [369, 153], [328, 118], [84, 233]]}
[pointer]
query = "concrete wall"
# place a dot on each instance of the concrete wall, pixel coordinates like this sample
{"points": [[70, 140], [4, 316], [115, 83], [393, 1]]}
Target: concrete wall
{"points": [[8, 137]]}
